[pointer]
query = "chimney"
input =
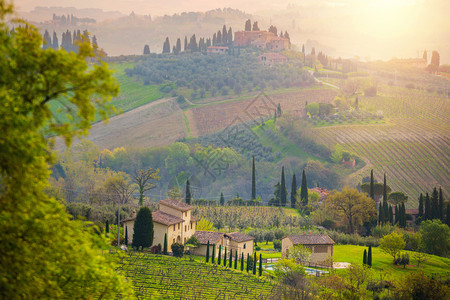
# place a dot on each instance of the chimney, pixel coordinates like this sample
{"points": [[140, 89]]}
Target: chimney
{"points": [[133, 215]]}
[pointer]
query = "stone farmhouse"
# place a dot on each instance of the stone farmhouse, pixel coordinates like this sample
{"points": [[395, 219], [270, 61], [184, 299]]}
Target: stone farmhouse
{"points": [[234, 241], [261, 39], [173, 218], [321, 246]]}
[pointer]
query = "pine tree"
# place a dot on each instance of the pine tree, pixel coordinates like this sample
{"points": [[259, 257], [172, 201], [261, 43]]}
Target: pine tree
{"points": [[188, 192], [126, 236], [213, 256], [365, 257], [293, 191], [146, 50], [222, 199], [207, 252], [225, 258], [143, 229], [420, 205], [242, 261], [283, 188], [369, 257], [254, 264], [427, 207], [372, 192], [260, 264], [235, 260], [441, 205], [253, 179], [107, 228], [231, 258], [165, 244], [248, 258], [304, 190], [219, 257], [435, 204]]}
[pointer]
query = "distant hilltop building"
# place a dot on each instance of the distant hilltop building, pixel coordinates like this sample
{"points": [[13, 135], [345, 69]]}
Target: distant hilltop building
{"points": [[410, 62], [272, 59], [261, 39]]}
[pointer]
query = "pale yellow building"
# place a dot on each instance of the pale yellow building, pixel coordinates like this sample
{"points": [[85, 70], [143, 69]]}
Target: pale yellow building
{"points": [[241, 242], [321, 246], [173, 219], [215, 239]]}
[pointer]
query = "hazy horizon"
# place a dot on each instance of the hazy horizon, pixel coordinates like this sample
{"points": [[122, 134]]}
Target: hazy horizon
{"points": [[378, 29]]}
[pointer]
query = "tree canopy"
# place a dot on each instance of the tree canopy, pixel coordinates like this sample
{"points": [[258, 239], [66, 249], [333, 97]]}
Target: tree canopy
{"points": [[44, 254], [143, 229]]}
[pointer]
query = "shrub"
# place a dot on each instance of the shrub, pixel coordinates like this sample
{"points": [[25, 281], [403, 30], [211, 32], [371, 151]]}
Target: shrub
{"points": [[277, 245], [177, 250]]}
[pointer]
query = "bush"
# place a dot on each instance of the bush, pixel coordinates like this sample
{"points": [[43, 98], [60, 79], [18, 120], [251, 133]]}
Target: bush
{"points": [[177, 250], [277, 245], [156, 249]]}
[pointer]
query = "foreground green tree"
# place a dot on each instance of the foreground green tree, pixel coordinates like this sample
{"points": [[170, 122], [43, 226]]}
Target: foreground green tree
{"points": [[392, 244], [143, 229], [435, 237], [145, 181], [44, 254]]}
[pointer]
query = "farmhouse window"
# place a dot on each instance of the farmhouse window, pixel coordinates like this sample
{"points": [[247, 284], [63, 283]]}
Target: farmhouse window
{"points": [[321, 249], [245, 246], [185, 228], [178, 226]]}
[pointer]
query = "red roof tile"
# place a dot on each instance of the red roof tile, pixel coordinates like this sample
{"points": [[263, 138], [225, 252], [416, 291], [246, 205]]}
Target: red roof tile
{"points": [[204, 236], [165, 218], [311, 239], [239, 237], [181, 206]]}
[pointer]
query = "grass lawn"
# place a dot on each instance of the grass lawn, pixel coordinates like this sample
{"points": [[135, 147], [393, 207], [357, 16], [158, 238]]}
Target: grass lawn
{"points": [[382, 263]]}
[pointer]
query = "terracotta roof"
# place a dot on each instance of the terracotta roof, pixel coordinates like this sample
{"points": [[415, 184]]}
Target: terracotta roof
{"points": [[194, 219], [311, 239], [181, 206], [160, 217], [239, 237], [165, 218], [204, 236]]}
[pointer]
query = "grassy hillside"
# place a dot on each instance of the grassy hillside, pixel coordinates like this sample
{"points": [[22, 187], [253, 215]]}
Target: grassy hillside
{"points": [[165, 277]]}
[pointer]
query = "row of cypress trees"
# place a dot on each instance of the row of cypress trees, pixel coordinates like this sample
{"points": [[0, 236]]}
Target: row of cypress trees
{"points": [[367, 257], [433, 207], [229, 263]]}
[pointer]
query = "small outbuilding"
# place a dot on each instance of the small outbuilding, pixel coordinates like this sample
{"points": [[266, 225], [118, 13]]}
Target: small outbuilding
{"points": [[215, 239], [321, 246], [240, 242]]}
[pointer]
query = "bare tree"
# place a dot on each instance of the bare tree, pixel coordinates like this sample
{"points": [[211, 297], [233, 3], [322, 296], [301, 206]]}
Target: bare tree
{"points": [[145, 181]]}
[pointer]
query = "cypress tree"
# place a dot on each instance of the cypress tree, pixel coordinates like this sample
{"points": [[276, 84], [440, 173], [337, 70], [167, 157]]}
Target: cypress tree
{"points": [[293, 191], [448, 214], [146, 50], [384, 188], [380, 213], [178, 45], [403, 214], [106, 228], [166, 46], [126, 236], [365, 257], [207, 252], [222, 199], [235, 260], [420, 205], [369, 257], [254, 264], [304, 189], [253, 179], [397, 216], [386, 211], [213, 253], [143, 229], [219, 257], [260, 264], [248, 257], [185, 43], [391, 216], [427, 207], [275, 116], [441, 205], [372, 191], [231, 258], [55, 44], [225, 258], [165, 244], [434, 204], [188, 192], [242, 261], [283, 188]]}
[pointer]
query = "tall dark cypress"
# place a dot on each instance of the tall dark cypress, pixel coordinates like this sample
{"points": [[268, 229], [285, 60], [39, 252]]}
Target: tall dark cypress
{"points": [[304, 189], [391, 216], [253, 178], [421, 205], [260, 264], [213, 256], [231, 258], [55, 42], [365, 257], [242, 261], [225, 258], [380, 213], [106, 228], [254, 264], [447, 221], [248, 267], [435, 204], [386, 211], [235, 260], [207, 252], [427, 207], [293, 191], [219, 256], [126, 236], [369, 257], [372, 191], [441, 205], [188, 192], [403, 215], [397, 215], [165, 244], [283, 188], [222, 199], [185, 43]]}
